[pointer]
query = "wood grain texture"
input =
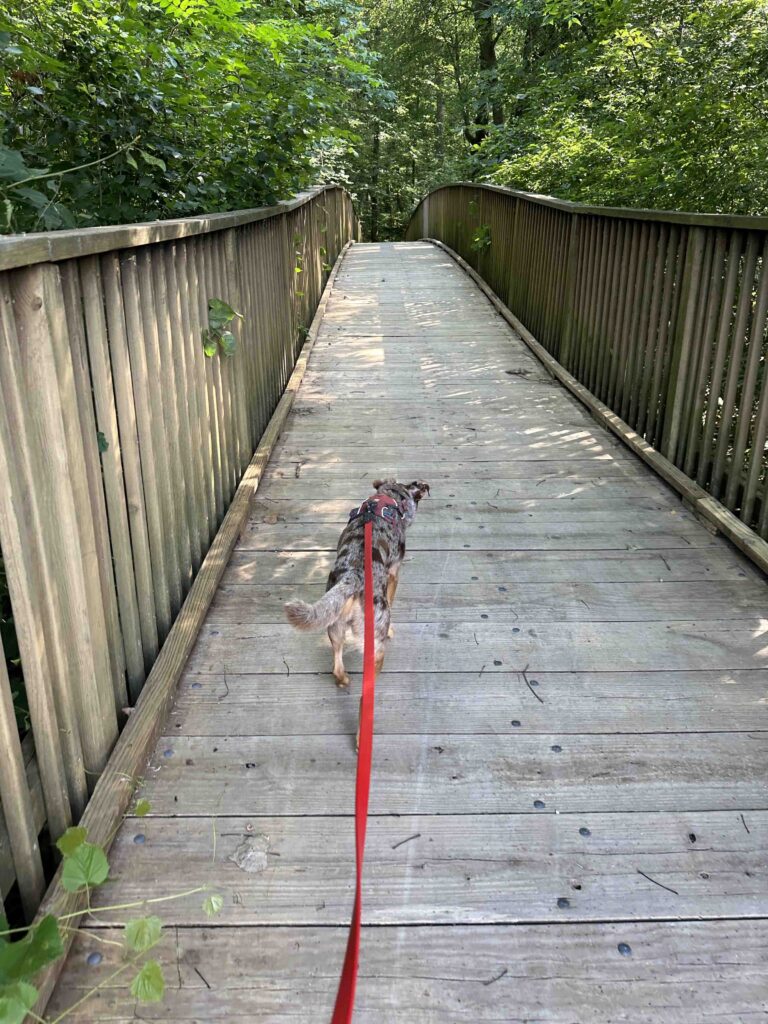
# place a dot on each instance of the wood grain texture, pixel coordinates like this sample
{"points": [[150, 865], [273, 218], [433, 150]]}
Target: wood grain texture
{"points": [[695, 972], [446, 869], [572, 709], [435, 773]]}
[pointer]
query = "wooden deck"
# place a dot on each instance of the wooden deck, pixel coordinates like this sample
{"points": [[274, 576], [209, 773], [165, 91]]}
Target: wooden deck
{"points": [[570, 802]]}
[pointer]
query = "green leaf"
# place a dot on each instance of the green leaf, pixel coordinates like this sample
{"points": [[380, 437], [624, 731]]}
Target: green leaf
{"points": [[149, 985], [142, 808], [15, 1002], [227, 342], [86, 867], [71, 840], [219, 314], [143, 933], [210, 344], [153, 161], [213, 904], [102, 442], [20, 961]]}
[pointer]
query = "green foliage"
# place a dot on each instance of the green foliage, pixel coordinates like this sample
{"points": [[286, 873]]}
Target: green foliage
{"points": [[15, 1001], [40, 946], [121, 110], [481, 239], [143, 933], [84, 868], [213, 904], [72, 839], [149, 984], [216, 336]]}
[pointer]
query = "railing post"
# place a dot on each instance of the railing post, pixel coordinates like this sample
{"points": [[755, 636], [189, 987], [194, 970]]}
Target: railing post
{"points": [[569, 292], [425, 218], [682, 342]]}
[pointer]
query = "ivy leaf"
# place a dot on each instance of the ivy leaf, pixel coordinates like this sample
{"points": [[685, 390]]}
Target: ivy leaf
{"points": [[227, 342], [149, 985], [16, 1001], [21, 960], [143, 933], [142, 808], [86, 867], [71, 840], [213, 904]]}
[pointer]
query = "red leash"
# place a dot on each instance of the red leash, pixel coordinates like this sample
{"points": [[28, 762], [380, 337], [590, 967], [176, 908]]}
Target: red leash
{"points": [[345, 997]]}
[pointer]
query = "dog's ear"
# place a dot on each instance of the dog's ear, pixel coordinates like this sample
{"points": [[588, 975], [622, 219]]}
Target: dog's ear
{"points": [[380, 483], [418, 489]]}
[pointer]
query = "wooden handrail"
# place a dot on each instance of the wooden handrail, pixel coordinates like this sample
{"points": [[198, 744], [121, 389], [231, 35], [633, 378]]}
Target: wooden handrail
{"points": [[49, 246], [711, 220]]}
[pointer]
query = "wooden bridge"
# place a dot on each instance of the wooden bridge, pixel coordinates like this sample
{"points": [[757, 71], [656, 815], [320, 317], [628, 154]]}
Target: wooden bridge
{"points": [[568, 811]]}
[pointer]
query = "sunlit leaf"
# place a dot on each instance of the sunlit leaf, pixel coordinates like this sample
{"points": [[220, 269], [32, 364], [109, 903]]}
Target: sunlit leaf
{"points": [[149, 985], [143, 933], [86, 867]]}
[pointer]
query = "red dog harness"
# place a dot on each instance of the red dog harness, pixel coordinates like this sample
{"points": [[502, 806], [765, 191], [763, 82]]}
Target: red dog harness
{"points": [[381, 505]]}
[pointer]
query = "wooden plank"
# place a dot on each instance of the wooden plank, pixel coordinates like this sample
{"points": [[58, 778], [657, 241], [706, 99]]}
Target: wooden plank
{"points": [[409, 703], [514, 602], [448, 869], [680, 564], [641, 530], [458, 774], [501, 510], [482, 646], [438, 974]]}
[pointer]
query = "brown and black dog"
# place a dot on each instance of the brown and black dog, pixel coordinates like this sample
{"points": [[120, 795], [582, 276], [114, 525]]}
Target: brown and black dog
{"points": [[341, 606]]}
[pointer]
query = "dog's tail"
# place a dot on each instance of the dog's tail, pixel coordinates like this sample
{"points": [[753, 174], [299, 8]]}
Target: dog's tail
{"points": [[323, 612]]}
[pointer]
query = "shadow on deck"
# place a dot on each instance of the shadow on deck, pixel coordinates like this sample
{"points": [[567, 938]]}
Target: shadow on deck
{"points": [[568, 806]]}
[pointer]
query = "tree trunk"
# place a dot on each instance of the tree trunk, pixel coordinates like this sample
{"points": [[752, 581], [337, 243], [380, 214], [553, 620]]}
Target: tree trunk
{"points": [[486, 40]]}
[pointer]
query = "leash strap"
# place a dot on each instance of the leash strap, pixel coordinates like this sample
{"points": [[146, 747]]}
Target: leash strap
{"points": [[345, 997]]}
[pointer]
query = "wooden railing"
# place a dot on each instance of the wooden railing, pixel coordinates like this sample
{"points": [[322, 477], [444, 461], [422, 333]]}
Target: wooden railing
{"points": [[661, 315], [121, 445]]}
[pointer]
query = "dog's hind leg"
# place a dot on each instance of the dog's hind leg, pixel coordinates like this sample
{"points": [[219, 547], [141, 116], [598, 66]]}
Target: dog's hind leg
{"points": [[392, 581], [336, 632]]}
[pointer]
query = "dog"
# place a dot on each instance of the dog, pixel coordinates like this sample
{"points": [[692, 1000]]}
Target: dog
{"points": [[341, 607]]}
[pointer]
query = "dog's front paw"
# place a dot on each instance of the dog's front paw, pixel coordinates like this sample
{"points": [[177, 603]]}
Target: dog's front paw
{"points": [[342, 681], [391, 632]]}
